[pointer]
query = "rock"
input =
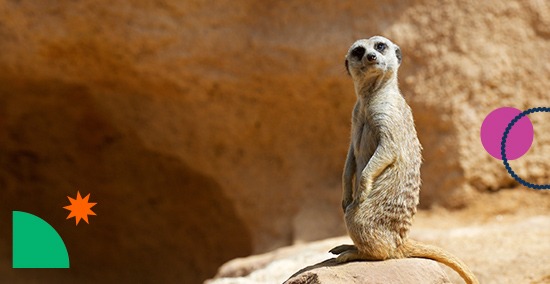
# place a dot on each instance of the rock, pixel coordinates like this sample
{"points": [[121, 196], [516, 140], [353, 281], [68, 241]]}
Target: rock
{"points": [[403, 271], [277, 266], [490, 244], [223, 128]]}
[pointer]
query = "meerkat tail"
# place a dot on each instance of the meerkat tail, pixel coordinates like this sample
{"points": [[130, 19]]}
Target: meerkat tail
{"points": [[416, 249]]}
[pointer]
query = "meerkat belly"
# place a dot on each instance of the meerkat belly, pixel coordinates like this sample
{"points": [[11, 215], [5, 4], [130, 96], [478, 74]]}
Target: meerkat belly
{"points": [[364, 145]]}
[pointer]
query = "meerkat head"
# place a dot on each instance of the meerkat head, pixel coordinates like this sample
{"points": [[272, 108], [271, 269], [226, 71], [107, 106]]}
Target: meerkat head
{"points": [[373, 57]]}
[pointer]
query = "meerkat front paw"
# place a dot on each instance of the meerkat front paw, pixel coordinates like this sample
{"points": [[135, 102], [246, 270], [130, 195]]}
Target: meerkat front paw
{"points": [[345, 203]]}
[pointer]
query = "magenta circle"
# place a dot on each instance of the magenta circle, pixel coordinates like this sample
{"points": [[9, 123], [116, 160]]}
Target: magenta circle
{"points": [[519, 139]]}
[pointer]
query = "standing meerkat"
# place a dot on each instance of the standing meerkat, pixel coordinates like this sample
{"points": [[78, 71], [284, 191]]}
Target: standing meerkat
{"points": [[384, 157]]}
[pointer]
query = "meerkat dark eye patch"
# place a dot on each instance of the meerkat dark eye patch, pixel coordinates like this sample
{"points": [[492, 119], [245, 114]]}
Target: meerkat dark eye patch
{"points": [[358, 52], [380, 47]]}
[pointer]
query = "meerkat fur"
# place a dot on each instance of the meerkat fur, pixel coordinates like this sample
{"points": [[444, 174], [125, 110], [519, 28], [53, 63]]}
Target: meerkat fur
{"points": [[381, 178]]}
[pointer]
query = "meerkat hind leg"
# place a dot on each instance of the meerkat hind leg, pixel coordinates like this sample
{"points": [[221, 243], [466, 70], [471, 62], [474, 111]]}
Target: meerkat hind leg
{"points": [[342, 248]]}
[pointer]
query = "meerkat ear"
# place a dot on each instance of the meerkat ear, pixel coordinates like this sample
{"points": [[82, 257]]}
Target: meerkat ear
{"points": [[398, 54], [347, 66]]}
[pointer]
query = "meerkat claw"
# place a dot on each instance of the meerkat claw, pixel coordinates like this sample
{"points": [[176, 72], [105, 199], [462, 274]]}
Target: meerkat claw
{"points": [[348, 256]]}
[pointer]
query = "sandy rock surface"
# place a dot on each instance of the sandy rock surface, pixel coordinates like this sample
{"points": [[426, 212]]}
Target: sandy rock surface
{"points": [[502, 243], [288, 265]]}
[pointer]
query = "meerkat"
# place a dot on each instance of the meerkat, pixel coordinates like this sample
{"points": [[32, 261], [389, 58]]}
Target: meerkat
{"points": [[381, 178]]}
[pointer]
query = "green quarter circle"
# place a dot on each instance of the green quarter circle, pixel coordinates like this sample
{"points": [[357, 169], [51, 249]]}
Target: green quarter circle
{"points": [[36, 244]]}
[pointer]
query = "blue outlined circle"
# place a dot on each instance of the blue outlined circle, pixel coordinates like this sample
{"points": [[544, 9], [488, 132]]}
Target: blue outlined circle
{"points": [[503, 146]]}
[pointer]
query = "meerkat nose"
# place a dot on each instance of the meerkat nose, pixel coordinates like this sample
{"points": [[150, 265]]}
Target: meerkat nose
{"points": [[371, 57], [358, 52]]}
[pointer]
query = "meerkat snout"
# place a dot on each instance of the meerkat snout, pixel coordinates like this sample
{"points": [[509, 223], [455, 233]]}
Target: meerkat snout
{"points": [[371, 57]]}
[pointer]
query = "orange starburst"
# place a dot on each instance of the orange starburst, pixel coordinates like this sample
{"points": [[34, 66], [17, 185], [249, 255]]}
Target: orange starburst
{"points": [[80, 207]]}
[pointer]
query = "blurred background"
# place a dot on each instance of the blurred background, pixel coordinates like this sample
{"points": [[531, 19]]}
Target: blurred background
{"points": [[209, 130]]}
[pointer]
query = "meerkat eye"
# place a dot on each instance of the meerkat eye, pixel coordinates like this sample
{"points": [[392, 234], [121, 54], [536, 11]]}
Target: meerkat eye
{"points": [[380, 47]]}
